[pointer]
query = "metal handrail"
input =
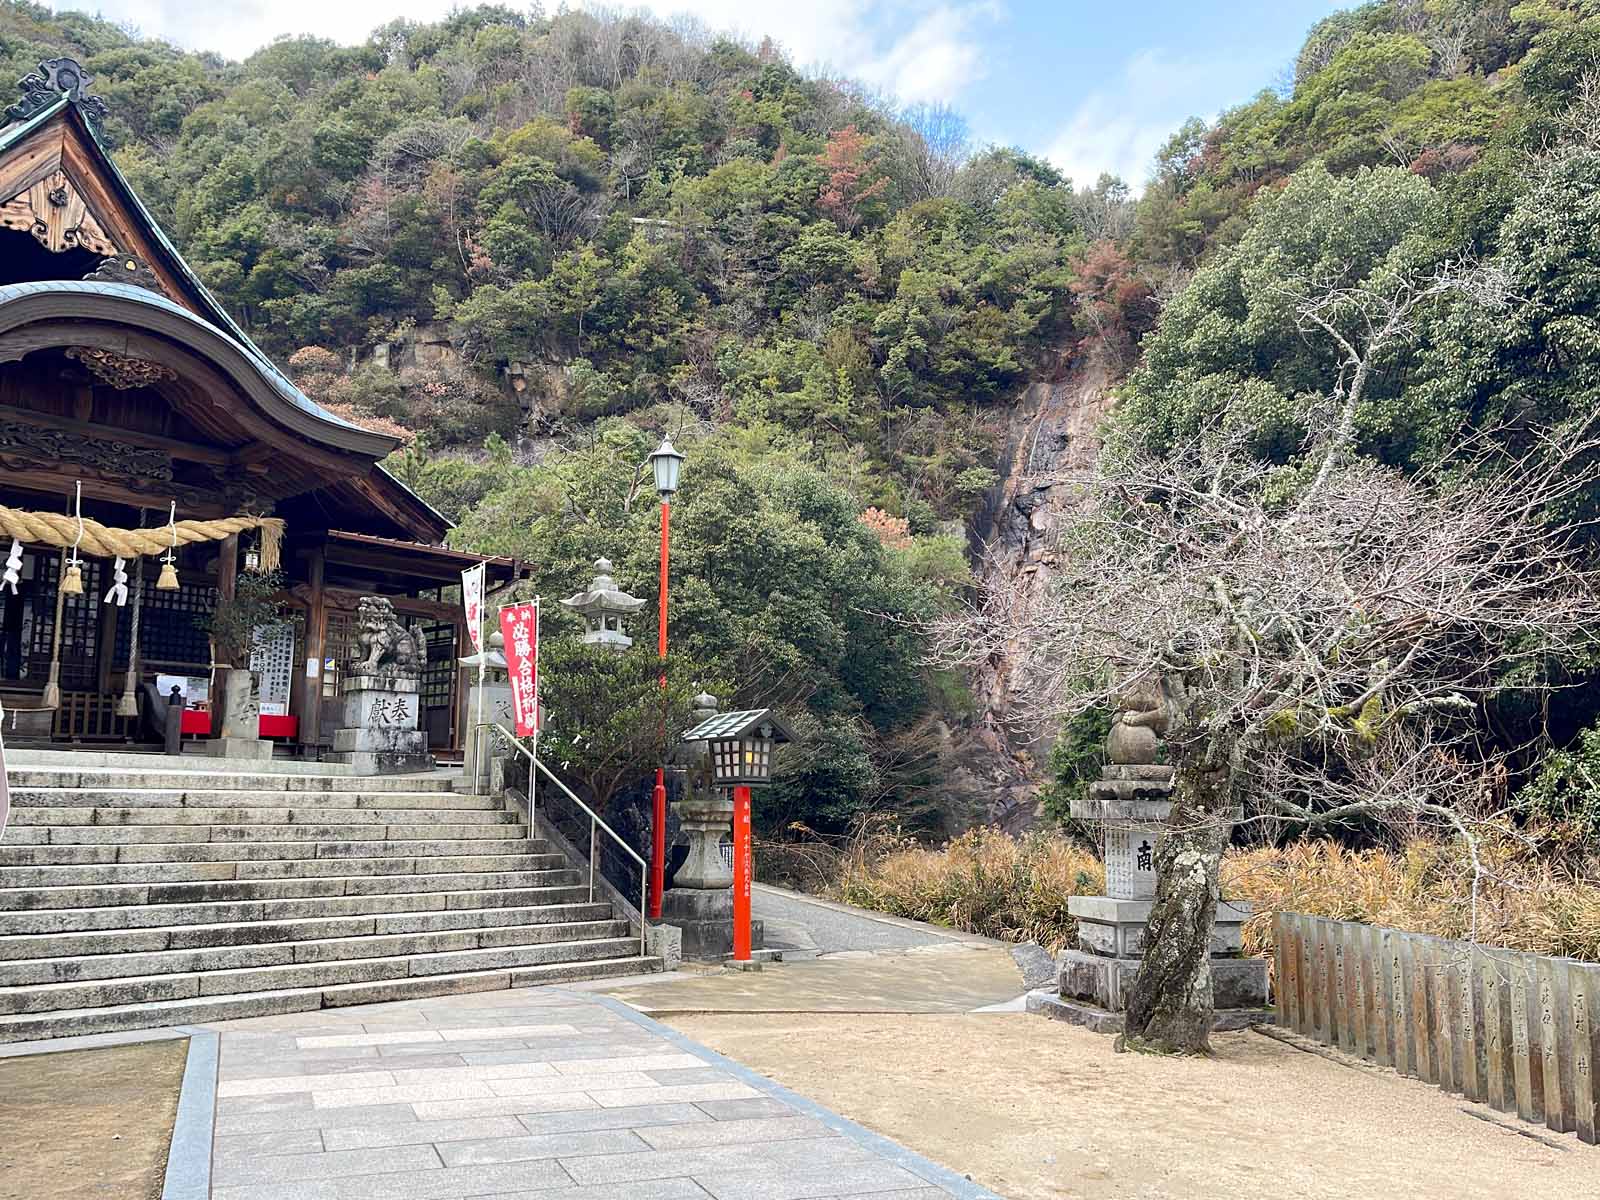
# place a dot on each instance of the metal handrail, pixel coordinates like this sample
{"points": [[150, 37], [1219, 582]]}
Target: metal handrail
{"points": [[595, 822]]}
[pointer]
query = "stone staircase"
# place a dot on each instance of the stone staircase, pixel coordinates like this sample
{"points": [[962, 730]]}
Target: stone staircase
{"points": [[140, 891]]}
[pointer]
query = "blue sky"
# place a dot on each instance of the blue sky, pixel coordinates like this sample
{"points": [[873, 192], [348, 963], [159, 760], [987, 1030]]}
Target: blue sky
{"points": [[1093, 86]]}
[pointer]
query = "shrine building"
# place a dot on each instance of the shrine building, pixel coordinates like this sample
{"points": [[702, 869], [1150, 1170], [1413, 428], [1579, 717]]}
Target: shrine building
{"points": [[125, 382]]}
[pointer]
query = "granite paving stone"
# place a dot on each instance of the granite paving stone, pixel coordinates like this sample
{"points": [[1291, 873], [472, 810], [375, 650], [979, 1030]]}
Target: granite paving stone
{"points": [[732, 1133], [498, 1096], [541, 1145], [682, 1075], [332, 1163], [643, 1116], [421, 1133], [281, 1141]]}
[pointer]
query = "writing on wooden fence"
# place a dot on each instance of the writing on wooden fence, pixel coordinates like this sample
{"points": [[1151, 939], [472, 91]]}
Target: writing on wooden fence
{"points": [[1520, 1032]]}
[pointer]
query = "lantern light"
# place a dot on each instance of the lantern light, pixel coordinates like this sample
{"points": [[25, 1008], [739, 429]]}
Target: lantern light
{"points": [[741, 745], [666, 463]]}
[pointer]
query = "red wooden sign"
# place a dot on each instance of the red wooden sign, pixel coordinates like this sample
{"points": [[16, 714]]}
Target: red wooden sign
{"points": [[743, 874], [519, 624]]}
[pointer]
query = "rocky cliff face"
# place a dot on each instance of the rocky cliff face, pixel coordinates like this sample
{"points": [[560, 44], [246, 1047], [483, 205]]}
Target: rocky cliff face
{"points": [[1053, 432]]}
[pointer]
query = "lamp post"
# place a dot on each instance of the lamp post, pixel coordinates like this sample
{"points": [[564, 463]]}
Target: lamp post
{"points": [[741, 750], [666, 463]]}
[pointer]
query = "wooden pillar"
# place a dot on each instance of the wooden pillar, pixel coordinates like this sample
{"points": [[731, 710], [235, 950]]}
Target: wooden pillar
{"points": [[106, 647], [227, 587], [464, 679], [227, 567], [316, 648]]}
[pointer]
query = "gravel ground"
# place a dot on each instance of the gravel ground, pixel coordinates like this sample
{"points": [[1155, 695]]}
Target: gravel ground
{"points": [[1039, 1110], [89, 1124]]}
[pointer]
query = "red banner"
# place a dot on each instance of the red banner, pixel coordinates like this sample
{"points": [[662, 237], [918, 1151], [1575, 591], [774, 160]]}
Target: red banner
{"points": [[519, 625]]}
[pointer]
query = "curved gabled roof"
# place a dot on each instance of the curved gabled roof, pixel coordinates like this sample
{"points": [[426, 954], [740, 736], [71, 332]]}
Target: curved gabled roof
{"points": [[122, 303]]}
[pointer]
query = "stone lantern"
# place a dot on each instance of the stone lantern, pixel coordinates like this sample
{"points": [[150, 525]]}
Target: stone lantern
{"points": [[1132, 801], [496, 699], [603, 605], [700, 901]]}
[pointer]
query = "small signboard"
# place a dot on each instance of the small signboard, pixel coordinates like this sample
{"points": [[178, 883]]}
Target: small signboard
{"points": [[519, 624]]}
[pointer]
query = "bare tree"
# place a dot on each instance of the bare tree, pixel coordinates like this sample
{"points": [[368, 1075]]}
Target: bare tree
{"points": [[1328, 616], [940, 145]]}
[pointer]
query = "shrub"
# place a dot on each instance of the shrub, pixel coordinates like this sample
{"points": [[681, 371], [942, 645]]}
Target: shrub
{"points": [[984, 882], [989, 883]]}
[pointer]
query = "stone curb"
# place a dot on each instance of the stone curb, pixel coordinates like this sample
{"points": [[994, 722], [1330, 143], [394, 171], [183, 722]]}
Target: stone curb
{"points": [[188, 1174], [941, 1177], [189, 1157]]}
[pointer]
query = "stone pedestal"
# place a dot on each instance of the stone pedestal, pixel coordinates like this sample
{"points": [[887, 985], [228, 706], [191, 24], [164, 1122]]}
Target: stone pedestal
{"points": [[497, 711], [378, 733], [240, 735], [700, 901], [1133, 800]]}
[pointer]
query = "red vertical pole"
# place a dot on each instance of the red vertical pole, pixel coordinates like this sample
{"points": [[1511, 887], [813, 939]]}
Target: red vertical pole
{"points": [[743, 874], [658, 839]]}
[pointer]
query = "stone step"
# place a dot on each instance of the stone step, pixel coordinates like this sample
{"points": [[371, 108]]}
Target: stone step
{"points": [[23, 818], [201, 936], [134, 916], [66, 875], [28, 899], [159, 798], [30, 1026], [134, 760], [143, 989], [34, 855], [232, 780], [92, 835], [80, 968]]}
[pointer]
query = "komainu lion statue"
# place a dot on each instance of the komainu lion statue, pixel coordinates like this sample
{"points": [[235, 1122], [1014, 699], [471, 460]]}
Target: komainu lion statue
{"points": [[391, 650]]}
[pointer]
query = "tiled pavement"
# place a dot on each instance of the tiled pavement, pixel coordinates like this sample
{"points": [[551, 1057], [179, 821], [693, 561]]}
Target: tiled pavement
{"points": [[535, 1094]]}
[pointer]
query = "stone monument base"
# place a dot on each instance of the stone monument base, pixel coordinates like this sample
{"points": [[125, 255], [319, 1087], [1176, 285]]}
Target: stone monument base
{"points": [[379, 734], [1045, 1003], [245, 749], [1115, 928], [1107, 982], [706, 918]]}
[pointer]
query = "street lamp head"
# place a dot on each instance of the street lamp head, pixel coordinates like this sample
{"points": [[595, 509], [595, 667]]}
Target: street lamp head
{"points": [[666, 463]]}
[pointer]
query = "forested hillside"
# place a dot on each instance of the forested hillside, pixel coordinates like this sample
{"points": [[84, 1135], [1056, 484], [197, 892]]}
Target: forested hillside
{"points": [[549, 239]]}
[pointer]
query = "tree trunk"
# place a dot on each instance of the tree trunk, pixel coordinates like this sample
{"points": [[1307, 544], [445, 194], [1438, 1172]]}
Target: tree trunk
{"points": [[1170, 1008]]}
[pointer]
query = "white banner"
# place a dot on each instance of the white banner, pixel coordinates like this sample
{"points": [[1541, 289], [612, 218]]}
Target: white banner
{"points": [[472, 600]]}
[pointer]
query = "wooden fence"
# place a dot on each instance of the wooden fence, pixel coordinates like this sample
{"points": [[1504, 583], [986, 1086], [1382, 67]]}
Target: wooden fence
{"points": [[1520, 1032]]}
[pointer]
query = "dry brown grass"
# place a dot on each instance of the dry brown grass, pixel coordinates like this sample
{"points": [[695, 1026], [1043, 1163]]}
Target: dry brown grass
{"points": [[1017, 888], [1524, 902], [983, 882]]}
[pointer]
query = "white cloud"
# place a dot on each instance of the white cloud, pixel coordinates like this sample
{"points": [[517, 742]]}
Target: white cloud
{"points": [[1119, 127], [909, 49]]}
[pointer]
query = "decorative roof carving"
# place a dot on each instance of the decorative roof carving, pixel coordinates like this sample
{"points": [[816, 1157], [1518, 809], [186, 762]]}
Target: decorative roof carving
{"points": [[45, 445], [125, 268], [57, 77], [56, 215], [120, 371]]}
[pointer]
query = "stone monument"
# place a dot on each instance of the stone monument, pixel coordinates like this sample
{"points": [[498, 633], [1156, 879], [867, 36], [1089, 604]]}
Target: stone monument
{"points": [[496, 705], [382, 696], [700, 900], [1132, 801], [240, 735]]}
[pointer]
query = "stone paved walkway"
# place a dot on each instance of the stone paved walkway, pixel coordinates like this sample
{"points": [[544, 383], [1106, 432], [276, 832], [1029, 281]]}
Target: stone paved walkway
{"points": [[536, 1094]]}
